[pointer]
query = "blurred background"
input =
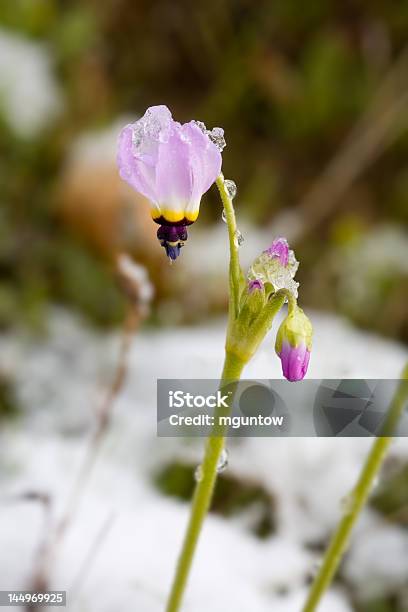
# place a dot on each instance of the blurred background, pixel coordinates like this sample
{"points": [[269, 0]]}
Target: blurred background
{"points": [[314, 106], [313, 98]]}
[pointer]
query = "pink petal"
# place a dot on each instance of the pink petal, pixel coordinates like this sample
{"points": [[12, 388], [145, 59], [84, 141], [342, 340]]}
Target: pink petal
{"points": [[174, 183], [280, 249], [205, 159], [132, 170], [295, 361]]}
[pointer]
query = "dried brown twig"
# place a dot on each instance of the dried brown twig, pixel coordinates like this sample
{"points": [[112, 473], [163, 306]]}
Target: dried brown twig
{"points": [[94, 549], [130, 326], [47, 552], [138, 290]]}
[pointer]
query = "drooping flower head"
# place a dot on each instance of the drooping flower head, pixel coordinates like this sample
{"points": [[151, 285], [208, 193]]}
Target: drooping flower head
{"points": [[277, 267], [294, 343], [172, 165]]}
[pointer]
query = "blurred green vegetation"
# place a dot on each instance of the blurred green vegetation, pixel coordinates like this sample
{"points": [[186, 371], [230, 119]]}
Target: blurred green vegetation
{"points": [[392, 497], [287, 83], [233, 497], [393, 603], [8, 402]]}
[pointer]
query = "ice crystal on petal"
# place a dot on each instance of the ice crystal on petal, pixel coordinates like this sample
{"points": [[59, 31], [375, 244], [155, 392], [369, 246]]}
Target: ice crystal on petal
{"points": [[202, 126], [153, 127], [216, 136], [293, 263], [137, 135], [231, 188]]}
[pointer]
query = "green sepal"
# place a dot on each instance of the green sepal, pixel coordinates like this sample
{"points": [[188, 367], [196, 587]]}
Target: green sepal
{"points": [[252, 303], [296, 329], [254, 321]]}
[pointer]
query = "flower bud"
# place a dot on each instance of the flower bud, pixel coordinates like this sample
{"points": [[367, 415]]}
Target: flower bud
{"points": [[254, 298], [294, 343], [276, 266], [255, 285]]}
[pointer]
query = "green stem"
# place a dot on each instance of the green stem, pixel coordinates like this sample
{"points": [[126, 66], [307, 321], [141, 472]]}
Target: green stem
{"points": [[232, 369], [235, 270], [357, 500], [202, 496]]}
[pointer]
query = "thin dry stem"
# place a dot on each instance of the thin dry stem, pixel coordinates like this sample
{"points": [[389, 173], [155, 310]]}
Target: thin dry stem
{"points": [[48, 551]]}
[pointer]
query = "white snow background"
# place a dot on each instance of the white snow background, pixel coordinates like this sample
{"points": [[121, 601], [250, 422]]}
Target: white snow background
{"points": [[60, 381], [26, 74]]}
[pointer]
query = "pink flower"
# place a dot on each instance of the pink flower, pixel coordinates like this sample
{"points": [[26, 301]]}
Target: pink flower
{"points": [[172, 165]]}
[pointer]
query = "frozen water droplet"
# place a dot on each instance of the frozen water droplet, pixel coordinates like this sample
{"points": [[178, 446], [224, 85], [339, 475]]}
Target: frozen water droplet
{"points": [[316, 567], [346, 503], [238, 238], [216, 136], [198, 474], [137, 135], [293, 263], [157, 124], [231, 188], [202, 126], [152, 128], [224, 215], [269, 270], [223, 461]]}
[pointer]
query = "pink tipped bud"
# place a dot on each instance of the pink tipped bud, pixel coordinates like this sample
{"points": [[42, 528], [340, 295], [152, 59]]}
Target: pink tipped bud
{"points": [[295, 361], [255, 285], [294, 343]]}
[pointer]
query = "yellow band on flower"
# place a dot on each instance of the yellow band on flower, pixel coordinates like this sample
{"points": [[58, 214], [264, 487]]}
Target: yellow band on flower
{"points": [[174, 216]]}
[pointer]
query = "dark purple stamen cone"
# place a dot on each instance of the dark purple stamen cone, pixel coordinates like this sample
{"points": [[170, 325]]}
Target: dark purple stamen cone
{"points": [[172, 238]]}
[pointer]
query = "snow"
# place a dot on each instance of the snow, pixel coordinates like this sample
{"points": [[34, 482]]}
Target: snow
{"points": [[30, 96], [366, 567], [60, 381], [98, 147]]}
